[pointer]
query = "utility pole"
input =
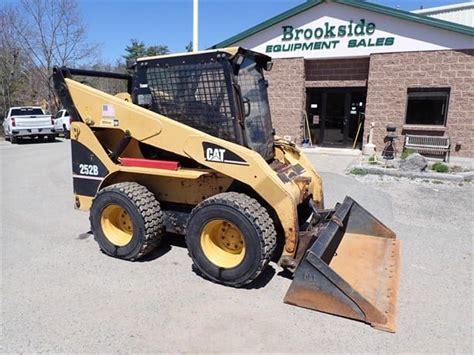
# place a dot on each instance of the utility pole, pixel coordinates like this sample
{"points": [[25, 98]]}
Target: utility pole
{"points": [[195, 25]]}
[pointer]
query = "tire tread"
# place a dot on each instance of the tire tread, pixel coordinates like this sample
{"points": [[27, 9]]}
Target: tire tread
{"points": [[260, 218], [149, 209]]}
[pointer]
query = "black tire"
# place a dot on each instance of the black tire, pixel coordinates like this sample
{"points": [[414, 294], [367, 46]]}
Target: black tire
{"points": [[144, 212], [257, 231], [67, 134], [13, 140], [51, 138]]}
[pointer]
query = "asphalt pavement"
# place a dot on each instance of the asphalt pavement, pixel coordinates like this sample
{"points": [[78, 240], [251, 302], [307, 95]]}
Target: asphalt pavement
{"points": [[61, 294]]}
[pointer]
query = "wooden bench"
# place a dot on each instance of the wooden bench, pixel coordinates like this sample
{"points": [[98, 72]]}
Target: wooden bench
{"points": [[429, 145]]}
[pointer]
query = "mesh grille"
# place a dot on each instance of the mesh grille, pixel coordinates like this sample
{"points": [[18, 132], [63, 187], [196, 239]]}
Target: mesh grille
{"points": [[195, 95]]}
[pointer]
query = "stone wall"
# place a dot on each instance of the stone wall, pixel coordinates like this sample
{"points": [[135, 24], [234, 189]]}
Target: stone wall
{"points": [[286, 93], [390, 76]]}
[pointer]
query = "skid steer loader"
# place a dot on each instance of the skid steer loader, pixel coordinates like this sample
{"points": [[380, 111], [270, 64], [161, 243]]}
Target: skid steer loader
{"points": [[190, 149]]}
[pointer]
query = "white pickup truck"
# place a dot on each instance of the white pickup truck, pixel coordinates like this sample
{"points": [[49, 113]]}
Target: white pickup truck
{"points": [[28, 121], [62, 122]]}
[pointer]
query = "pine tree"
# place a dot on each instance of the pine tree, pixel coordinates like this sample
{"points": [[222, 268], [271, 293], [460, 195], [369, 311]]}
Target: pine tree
{"points": [[189, 46], [135, 50], [138, 49]]}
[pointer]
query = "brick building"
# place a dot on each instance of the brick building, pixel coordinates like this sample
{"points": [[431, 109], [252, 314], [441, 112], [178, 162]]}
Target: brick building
{"points": [[339, 65]]}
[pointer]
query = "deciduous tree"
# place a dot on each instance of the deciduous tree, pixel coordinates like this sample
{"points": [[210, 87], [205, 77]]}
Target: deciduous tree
{"points": [[51, 32]]}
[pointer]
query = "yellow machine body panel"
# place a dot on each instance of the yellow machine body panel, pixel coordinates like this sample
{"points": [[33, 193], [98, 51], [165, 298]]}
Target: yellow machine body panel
{"points": [[156, 130]]}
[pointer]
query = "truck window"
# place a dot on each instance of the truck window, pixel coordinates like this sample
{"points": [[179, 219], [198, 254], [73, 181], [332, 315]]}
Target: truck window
{"points": [[27, 111]]}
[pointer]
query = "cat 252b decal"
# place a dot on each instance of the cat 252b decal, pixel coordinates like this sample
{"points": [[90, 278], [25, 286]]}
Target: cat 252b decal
{"points": [[87, 170], [218, 154]]}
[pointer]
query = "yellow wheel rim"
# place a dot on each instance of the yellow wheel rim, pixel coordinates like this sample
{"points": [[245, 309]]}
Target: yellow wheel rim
{"points": [[116, 225], [222, 243]]}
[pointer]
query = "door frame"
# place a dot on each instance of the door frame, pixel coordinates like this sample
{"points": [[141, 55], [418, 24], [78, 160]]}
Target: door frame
{"points": [[347, 108]]}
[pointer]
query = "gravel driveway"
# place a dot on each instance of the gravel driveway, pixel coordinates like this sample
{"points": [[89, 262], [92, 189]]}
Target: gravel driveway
{"points": [[61, 294]]}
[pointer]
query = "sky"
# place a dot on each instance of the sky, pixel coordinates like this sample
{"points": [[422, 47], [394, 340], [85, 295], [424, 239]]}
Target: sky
{"points": [[113, 23]]}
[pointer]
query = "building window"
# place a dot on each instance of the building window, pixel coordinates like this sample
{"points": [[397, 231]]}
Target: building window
{"points": [[427, 106]]}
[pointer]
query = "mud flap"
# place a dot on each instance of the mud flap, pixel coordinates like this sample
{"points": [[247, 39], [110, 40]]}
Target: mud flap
{"points": [[351, 270]]}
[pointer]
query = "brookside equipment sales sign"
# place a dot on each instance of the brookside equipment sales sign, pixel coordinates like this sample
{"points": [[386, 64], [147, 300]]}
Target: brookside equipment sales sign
{"points": [[353, 35]]}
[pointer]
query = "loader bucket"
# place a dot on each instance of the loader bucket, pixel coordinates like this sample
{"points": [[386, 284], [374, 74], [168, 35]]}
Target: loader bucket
{"points": [[351, 270]]}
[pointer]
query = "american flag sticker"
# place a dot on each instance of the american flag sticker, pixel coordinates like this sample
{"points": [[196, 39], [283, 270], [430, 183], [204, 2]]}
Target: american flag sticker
{"points": [[108, 110]]}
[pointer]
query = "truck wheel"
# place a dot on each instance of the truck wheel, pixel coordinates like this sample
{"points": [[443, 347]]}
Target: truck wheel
{"points": [[66, 133], [230, 238], [13, 140], [51, 138], [126, 220]]}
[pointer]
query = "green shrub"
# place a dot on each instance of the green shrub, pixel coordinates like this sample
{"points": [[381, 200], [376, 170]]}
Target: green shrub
{"points": [[358, 171], [440, 167], [406, 153]]}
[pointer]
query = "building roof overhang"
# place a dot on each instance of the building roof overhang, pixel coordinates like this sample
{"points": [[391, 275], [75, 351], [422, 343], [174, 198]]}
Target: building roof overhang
{"points": [[404, 15]]}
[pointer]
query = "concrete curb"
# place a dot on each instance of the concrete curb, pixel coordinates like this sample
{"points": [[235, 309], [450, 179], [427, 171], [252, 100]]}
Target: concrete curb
{"points": [[468, 175], [331, 151], [453, 177]]}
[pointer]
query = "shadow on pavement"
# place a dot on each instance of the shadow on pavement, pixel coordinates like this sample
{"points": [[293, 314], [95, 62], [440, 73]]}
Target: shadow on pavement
{"points": [[85, 235], [262, 280], [168, 242], [161, 250], [286, 274], [158, 252], [24, 141], [171, 240]]}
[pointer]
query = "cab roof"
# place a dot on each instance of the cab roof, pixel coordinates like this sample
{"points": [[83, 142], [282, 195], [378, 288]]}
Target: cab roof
{"points": [[230, 50]]}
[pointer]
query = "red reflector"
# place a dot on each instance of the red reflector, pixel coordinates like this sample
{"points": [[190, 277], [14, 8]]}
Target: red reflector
{"points": [[147, 163]]}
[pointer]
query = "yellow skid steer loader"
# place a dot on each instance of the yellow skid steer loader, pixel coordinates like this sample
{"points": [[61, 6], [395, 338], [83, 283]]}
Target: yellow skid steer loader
{"points": [[189, 148]]}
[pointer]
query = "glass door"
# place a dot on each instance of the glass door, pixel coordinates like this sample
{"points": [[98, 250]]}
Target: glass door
{"points": [[335, 115]]}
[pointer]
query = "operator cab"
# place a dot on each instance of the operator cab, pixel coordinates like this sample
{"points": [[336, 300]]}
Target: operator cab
{"points": [[220, 92]]}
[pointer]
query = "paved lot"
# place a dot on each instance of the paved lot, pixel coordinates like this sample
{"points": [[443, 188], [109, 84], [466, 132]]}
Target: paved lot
{"points": [[61, 294]]}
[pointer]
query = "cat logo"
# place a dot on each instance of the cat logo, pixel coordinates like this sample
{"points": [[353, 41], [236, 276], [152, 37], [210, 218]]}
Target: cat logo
{"points": [[215, 154], [218, 154]]}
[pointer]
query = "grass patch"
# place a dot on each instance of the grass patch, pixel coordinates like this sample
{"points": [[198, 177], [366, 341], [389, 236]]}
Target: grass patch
{"points": [[440, 167], [406, 153], [358, 171]]}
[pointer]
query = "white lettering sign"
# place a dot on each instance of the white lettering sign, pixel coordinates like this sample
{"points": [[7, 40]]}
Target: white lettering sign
{"points": [[215, 154]]}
